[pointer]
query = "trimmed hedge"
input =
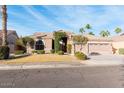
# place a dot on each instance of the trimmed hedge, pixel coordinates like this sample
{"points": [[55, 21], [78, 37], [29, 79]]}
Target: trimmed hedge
{"points": [[80, 56], [121, 51], [39, 51], [34, 51], [4, 52], [60, 53], [18, 52], [52, 51]]}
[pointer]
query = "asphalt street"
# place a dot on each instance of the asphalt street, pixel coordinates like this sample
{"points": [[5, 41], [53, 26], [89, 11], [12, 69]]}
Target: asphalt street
{"points": [[66, 77]]}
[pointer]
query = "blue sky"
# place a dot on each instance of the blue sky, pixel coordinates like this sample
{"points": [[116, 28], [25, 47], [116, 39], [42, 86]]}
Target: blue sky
{"points": [[27, 20]]}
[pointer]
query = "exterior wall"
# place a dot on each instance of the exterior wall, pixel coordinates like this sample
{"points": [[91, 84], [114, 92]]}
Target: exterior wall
{"points": [[81, 48], [118, 45], [48, 44]]}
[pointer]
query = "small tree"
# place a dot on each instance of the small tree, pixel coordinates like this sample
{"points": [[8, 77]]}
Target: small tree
{"points": [[58, 37], [28, 40], [79, 39], [20, 45]]}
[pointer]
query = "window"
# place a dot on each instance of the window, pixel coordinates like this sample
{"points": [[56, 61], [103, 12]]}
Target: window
{"points": [[39, 45]]}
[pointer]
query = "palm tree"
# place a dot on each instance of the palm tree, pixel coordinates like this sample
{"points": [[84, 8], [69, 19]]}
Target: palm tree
{"points": [[118, 30], [82, 31], [104, 33], [88, 26], [4, 25], [91, 33]]}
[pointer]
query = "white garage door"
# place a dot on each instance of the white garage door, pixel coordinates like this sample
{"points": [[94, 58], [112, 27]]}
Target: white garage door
{"points": [[101, 48]]}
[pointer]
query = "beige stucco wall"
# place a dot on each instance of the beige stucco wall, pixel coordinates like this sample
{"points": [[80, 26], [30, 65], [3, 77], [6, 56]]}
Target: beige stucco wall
{"points": [[48, 44], [118, 45]]}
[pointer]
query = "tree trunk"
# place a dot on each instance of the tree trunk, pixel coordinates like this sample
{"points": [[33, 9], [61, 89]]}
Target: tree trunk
{"points": [[4, 25]]}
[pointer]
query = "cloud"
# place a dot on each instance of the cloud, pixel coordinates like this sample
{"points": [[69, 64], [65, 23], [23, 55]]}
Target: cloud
{"points": [[48, 18]]}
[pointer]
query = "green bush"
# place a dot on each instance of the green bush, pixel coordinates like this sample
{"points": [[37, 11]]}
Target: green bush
{"points": [[69, 47], [34, 51], [121, 51], [4, 52], [60, 53], [80, 55], [52, 51], [18, 52], [40, 51], [58, 35]]}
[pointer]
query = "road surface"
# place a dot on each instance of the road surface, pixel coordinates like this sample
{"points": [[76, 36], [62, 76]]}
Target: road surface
{"points": [[68, 77]]}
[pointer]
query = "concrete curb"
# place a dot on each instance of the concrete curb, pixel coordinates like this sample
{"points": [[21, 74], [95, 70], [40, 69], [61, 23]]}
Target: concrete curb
{"points": [[39, 66]]}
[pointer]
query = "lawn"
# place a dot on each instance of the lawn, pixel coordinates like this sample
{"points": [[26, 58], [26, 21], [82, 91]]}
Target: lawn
{"points": [[43, 58]]}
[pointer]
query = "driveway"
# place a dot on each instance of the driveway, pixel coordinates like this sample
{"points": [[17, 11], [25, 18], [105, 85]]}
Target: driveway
{"points": [[105, 59]]}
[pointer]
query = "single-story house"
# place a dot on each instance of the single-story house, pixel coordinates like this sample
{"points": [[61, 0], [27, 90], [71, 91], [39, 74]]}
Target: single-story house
{"points": [[101, 45], [11, 39]]}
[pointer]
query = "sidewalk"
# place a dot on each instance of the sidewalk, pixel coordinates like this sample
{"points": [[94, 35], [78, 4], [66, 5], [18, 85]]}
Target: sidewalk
{"points": [[56, 65]]}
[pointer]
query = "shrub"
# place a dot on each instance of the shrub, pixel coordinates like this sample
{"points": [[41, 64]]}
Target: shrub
{"points": [[40, 51], [94, 53], [4, 52], [80, 55], [60, 53], [29, 40], [52, 51], [34, 51], [20, 45], [69, 47], [18, 52], [121, 51], [58, 35]]}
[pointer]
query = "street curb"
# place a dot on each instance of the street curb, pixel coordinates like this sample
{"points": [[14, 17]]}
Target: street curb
{"points": [[20, 67]]}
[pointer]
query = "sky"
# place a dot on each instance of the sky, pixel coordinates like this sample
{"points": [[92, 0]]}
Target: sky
{"points": [[27, 20]]}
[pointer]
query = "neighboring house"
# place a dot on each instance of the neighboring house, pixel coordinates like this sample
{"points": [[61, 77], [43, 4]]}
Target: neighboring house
{"points": [[118, 42], [101, 45], [11, 39]]}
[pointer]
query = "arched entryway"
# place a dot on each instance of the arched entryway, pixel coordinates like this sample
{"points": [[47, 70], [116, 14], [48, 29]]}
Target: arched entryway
{"points": [[64, 44], [39, 45]]}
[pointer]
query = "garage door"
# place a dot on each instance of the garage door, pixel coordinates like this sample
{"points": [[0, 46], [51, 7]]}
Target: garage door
{"points": [[101, 48]]}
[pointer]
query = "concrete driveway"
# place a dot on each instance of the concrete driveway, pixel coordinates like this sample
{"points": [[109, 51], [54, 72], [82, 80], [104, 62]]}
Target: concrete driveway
{"points": [[105, 59]]}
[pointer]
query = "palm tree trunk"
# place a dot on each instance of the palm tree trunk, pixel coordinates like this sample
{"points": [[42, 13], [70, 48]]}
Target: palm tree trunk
{"points": [[4, 25]]}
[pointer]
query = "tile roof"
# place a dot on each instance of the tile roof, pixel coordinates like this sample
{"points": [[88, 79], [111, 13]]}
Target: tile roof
{"points": [[98, 38], [49, 34]]}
